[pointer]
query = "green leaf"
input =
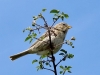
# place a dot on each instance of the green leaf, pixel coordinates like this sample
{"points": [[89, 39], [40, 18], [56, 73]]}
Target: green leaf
{"points": [[62, 17], [70, 56], [54, 11], [62, 13], [69, 71], [27, 38], [61, 67], [31, 40], [34, 61], [40, 15], [61, 53], [28, 28], [56, 14], [44, 10], [40, 62], [71, 43], [43, 56], [38, 68], [69, 67], [61, 72], [34, 35], [62, 50], [35, 17], [66, 15], [41, 66]]}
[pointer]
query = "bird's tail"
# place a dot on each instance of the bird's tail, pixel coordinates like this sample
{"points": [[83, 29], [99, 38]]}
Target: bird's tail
{"points": [[16, 56]]}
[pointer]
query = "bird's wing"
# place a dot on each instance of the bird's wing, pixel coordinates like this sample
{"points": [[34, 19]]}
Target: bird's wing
{"points": [[43, 42], [40, 39]]}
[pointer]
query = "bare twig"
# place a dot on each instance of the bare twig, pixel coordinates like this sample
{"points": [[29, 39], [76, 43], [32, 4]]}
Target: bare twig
{"points": [[54, 21], [63, 72], [60, 61], [40, 26], [48, 69], [46, 25]]}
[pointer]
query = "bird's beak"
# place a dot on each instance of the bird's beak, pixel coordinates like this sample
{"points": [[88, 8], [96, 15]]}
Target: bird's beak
{"points": [[69, 27]]}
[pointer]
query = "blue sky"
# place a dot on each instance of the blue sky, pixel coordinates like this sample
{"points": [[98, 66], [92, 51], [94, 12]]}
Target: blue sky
{"points": [[84, 17]]}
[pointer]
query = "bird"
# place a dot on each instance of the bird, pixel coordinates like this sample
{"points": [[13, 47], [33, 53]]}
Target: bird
{"points": [[42, 45]]}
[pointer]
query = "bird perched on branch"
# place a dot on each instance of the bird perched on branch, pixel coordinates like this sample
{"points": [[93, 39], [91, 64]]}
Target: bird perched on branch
{"points": [[42, 45]]}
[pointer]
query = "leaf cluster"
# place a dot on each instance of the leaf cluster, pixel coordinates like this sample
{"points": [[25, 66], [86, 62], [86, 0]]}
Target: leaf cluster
{"points": [[46, 60]]}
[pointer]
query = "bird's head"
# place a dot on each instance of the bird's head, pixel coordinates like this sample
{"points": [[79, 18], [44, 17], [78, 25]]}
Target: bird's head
{"points": [[62, 26]]}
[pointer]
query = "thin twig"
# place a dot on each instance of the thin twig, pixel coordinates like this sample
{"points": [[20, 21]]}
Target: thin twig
{"points": [[40, 26], [63, 72], [54, 22], [48, 69], [44, 21], [61, 60]]}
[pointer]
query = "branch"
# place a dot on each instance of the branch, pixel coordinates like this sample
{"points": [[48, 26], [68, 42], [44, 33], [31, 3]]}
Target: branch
{"points": [[44, 21], [51, 50], [51, 47], [61, 60], [64, 72], [40, 26], [54, 21], [48, 69]]}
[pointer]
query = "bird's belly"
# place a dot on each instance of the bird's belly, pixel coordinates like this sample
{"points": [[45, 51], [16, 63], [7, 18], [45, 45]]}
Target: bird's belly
{"points": [[57, 44]]}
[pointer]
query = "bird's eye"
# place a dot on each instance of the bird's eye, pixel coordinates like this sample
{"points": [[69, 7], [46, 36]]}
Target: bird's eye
{"points": [[63, 24]]}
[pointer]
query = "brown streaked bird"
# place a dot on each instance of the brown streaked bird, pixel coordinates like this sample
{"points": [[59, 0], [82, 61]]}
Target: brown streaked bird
{"points": [[42, 46]]}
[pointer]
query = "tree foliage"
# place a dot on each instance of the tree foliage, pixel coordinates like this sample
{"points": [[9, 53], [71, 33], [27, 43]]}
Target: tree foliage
{"points": [[44, 60]]}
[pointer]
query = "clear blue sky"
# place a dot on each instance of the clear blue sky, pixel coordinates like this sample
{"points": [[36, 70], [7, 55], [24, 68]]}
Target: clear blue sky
{"points": [[84, 17]]}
